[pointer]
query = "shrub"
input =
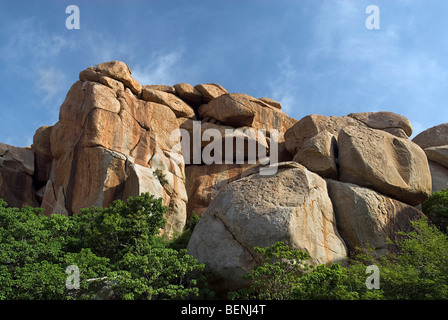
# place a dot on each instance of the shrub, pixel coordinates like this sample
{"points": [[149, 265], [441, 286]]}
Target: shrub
{"points": [[418, 271]]}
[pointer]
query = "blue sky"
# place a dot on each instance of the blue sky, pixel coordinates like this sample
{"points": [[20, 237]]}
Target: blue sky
{"points": [[314, 56]]}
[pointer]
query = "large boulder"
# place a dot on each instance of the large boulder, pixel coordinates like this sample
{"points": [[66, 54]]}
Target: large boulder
{"points": [[258, 210], [438, 154], [16, 176], [118, 70], [366, 218], [309, 126], [394, 166], [177, 105], [232, 109], [434, 141]]}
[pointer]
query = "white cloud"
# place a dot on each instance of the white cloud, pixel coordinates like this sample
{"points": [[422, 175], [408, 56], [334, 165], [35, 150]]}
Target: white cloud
{"points": [[50, 82], [160, 69], [26, 43], [282, 86], [29, 50]]}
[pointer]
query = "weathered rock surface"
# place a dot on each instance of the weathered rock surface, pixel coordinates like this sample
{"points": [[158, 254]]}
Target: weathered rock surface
{"points": [[234, 144], [375, 159], [160, 87], [204, 182], [367, 218], [291, 206], [434, 141], [311, 125], [120, 71], [438, 154], [42, 151], [271, 102], [439, 175]]}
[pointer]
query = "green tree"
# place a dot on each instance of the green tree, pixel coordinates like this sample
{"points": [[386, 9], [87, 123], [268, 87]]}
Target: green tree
{"points": [[436, 209], [117, 250]]}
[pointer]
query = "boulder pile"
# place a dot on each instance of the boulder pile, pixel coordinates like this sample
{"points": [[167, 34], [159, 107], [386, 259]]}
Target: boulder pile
{"points": [[335, 183]]}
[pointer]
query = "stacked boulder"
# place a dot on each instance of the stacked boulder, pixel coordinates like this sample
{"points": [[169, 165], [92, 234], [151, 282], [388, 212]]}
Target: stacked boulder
{"points": [[354, 181], [116, 138], [434, 141]]}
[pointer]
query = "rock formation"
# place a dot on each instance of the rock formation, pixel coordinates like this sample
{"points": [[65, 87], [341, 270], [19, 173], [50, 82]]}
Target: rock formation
{"points": [[336, 183], [434, 141]]}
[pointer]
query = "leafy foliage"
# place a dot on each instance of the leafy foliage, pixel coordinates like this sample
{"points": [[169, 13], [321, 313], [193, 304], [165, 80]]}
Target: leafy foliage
{"points": [[418, 271], [117, 249], [436, 209]]}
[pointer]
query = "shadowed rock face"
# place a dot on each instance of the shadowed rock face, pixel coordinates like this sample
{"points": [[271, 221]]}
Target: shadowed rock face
{"points": [[340, 182], [16, 176]]}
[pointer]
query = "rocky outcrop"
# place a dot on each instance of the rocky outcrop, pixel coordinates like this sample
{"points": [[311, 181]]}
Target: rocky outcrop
{"points": [[336, 183], [116, 138], [103, 134], [382, 176]]}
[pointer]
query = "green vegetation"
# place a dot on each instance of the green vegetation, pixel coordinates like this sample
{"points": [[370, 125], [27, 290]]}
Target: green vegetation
{"points": [[418, 271], [121, 255], [436, 209], [117, 250], [160, 176]]}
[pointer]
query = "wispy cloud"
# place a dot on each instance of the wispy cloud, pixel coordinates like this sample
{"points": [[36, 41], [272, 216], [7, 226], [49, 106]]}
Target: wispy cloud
{"points": [[26, 43], [50, 82], [161, 68], [282, 87], [29, 50], [349, 67]]}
